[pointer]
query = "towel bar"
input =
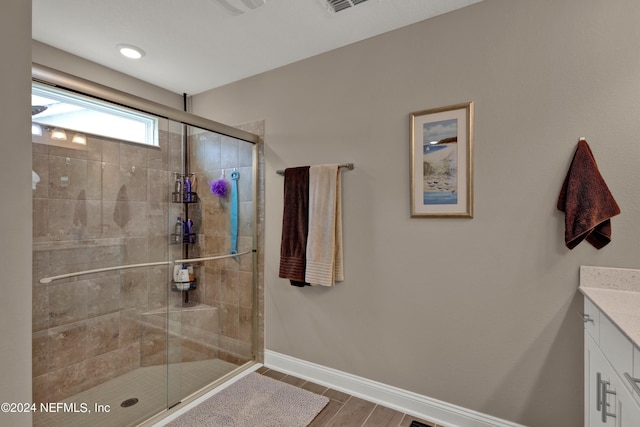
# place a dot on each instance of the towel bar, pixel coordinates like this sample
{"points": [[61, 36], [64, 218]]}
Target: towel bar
{"points": [[349, 166], [46, 280]]}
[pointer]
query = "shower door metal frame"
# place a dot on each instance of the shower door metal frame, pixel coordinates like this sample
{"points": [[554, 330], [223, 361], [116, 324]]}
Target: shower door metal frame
{"points": [[49, 76]]}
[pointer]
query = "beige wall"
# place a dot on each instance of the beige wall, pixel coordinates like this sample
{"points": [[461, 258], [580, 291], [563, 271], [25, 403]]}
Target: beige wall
{"points": [[478, 312], [15, 220]]}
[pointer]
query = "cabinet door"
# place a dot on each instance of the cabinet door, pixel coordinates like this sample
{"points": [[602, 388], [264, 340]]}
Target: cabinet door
{"points": [[628, 409], [601, 403]]}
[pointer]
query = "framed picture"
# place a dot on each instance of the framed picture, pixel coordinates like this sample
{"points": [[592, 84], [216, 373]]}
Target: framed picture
{"points": [[442, 162]]}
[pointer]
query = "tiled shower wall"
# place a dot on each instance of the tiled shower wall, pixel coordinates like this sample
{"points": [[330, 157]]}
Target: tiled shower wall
{"points": [[101, 206]]}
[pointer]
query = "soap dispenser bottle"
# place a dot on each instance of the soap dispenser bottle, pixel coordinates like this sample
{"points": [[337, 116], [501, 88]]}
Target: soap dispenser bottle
{"points": [[177, 191], [191, 234], [178, 230], [187, 188]]}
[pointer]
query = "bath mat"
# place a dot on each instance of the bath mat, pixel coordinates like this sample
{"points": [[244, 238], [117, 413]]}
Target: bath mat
{"points": [[255, 401]]}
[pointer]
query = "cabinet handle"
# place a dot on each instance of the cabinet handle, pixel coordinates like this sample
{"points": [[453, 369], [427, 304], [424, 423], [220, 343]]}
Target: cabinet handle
{"points": [[598, 392], [605, 405], [633, 381], [586, 318]]}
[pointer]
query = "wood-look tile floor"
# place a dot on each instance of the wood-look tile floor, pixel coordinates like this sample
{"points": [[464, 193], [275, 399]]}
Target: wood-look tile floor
{"points": [[344, 410]]}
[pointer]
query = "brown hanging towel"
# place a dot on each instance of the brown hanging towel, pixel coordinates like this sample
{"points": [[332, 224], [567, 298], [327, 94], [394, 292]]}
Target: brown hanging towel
{"points": [[295, 225], [586, 201]]}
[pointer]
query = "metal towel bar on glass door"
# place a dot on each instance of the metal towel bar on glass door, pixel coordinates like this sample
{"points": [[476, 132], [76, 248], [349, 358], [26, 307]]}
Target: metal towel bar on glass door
{"points": [[349, 166], [45, 280]]}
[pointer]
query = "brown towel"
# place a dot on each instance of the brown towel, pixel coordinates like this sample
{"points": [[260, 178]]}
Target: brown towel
{"points": [[586, 201], [295, 225]]}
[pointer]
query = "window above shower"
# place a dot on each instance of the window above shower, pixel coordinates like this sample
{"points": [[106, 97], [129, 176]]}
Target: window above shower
{"points": [[63, 117]]}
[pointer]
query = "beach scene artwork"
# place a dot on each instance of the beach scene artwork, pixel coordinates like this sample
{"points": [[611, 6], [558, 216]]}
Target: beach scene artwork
{"points": [[440, 162]]}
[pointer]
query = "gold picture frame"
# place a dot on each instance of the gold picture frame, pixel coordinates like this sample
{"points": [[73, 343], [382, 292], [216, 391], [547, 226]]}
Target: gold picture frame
{"points": [[442, 162]]}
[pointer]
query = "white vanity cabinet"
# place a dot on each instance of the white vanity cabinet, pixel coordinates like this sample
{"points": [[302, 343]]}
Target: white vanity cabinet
{"points": [[609, 356]]}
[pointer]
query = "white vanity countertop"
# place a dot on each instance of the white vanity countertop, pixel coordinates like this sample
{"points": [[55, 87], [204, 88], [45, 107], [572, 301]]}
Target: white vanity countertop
{"points": [[616, 292]]}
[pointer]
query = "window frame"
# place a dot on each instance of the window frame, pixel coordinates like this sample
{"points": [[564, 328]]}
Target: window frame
{"points": [[98, 106]]}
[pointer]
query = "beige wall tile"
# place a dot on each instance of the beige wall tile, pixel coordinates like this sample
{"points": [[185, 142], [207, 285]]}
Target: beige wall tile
{"points": [[67, 345], [67, 381], [67, 303], [133, 291], [40, 350], [102, 334], [103, 295]]}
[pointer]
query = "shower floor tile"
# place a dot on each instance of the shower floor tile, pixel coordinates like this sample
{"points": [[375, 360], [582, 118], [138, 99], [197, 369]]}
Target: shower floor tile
{"points": [[147, 384]]}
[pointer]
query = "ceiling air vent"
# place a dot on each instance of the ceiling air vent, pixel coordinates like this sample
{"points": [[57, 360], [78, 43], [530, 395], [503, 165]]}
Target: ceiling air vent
{"points": [[340, 5]]}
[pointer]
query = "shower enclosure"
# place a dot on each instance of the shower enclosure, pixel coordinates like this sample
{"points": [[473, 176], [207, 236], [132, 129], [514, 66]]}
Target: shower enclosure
{"points": [[120, 334]]}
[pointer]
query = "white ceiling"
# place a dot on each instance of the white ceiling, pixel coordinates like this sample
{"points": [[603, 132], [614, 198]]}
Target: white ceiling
{"points": [[195, 45]]}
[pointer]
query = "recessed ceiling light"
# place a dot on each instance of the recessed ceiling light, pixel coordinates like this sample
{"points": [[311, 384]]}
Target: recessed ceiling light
{"points": [[130, 51]]}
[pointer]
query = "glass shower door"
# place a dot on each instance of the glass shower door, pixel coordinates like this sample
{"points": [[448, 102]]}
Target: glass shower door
{"points": [[126, 321], [99, 336], [210, 313]]}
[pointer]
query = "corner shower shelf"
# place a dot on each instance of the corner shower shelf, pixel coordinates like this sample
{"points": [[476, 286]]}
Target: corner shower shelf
{"points": [[175, 288], [184, 300], [186, 198], [186, 238], [180, 197]]}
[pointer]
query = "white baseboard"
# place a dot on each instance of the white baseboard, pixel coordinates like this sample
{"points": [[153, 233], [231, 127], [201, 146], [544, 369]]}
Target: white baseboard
{"points": [[401, 400]]}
